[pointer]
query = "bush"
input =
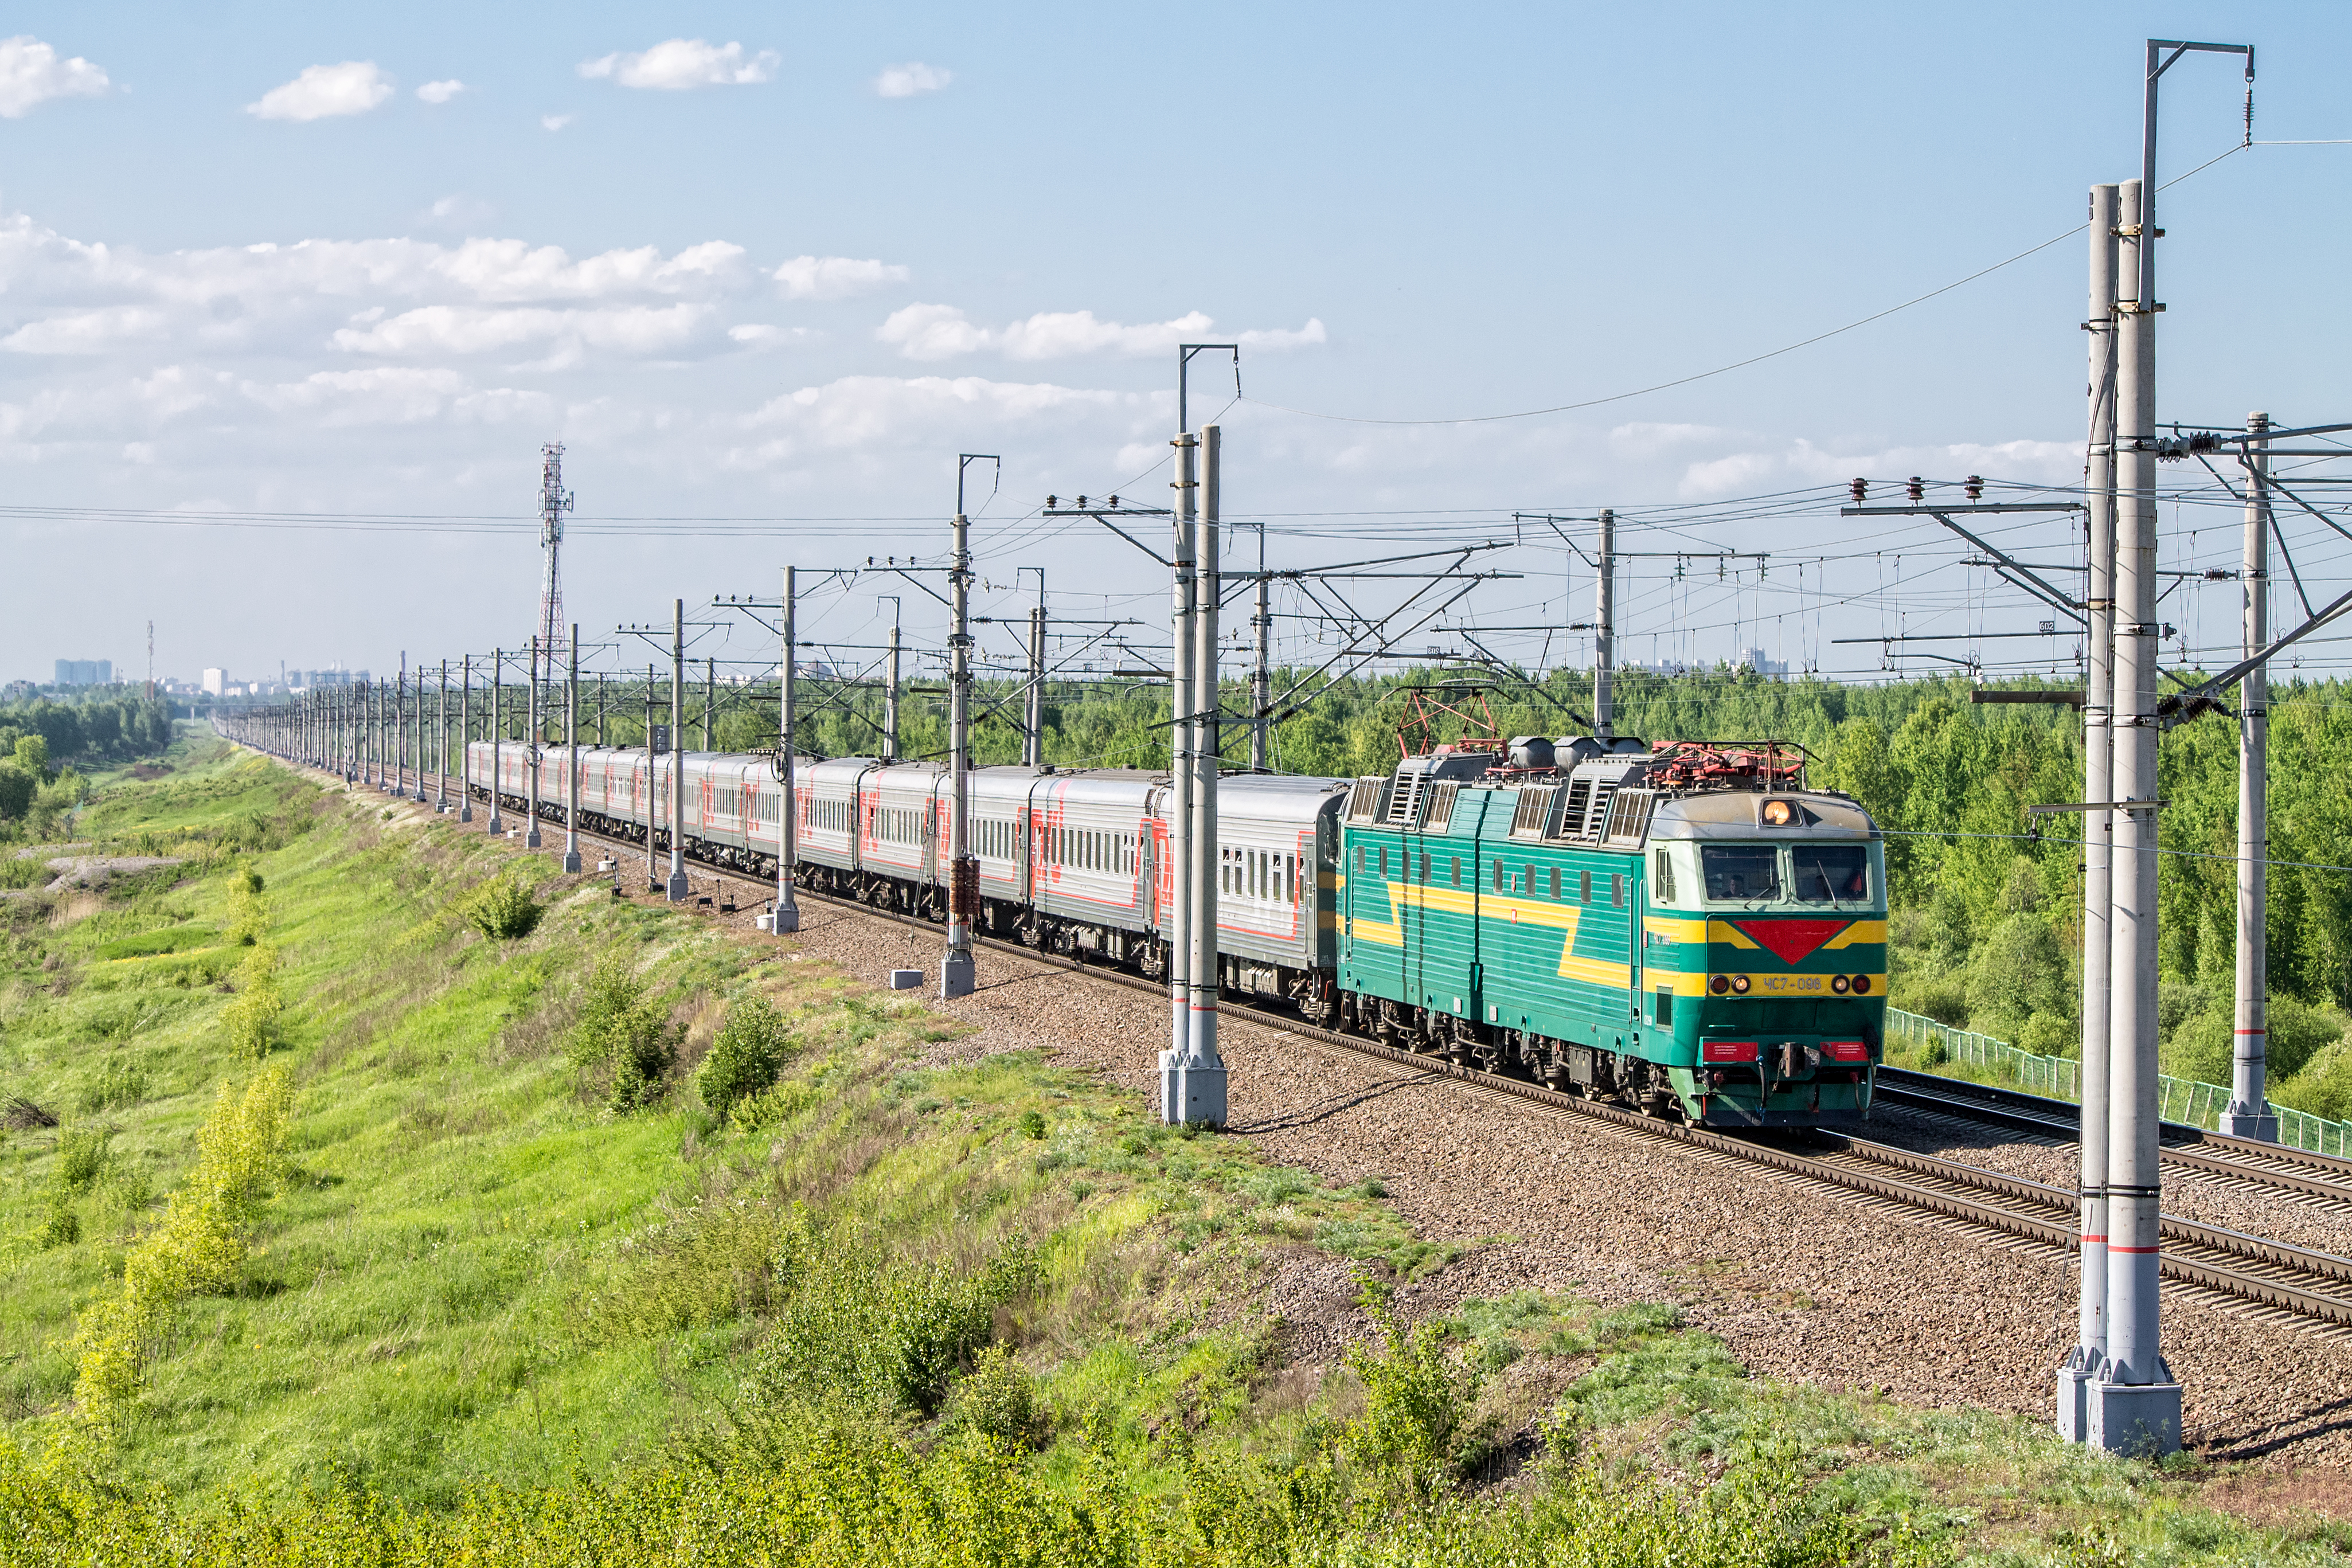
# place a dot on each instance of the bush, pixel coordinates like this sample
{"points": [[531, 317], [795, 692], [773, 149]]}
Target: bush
{"points": [[1032, 1124], [746, 1057], [623, 1041], [1416, 1403], [858, 1329], [503, 910], [252, 1018], [998, 1399], [81, 1156]]}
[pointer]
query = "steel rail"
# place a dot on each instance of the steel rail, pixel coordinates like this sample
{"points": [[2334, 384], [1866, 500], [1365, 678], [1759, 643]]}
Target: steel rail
{"points": [[2186, 1146]]}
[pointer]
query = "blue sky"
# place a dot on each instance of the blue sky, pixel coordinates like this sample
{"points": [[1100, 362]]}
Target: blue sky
{"points": [[762, 262]]}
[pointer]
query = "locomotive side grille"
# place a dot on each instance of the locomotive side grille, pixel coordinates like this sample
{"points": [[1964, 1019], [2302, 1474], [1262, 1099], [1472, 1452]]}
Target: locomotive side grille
{"points": [[1404, 801], [1579, 802], [1534, 813], [1596, 811], [1441, 805]]}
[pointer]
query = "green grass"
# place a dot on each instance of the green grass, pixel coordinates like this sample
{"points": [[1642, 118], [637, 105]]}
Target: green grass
{"points": [[525, 1324]]}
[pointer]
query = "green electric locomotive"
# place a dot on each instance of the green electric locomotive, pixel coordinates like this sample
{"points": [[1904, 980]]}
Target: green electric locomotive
{"points": [[1686, 929]]}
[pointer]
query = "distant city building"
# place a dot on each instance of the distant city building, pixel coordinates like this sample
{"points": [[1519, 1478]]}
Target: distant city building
{"points": [[17, 690], [1754, 659], [85, 672], [215, 680]]}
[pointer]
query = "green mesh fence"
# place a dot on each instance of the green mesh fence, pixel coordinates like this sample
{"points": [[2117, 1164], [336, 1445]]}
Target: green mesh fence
{"points": [[2178, 1099]]}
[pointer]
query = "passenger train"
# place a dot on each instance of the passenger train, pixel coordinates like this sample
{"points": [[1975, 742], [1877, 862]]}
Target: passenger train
{"points": [[1686, 927]]}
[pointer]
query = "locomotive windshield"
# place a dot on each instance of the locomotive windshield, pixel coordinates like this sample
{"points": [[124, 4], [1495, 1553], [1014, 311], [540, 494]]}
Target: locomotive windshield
{"points": [[1831, 873], [1812, 873], [1746, 873]]}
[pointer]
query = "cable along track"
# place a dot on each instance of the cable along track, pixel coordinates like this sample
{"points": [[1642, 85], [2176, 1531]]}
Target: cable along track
{"points": [[2304, 1287]]}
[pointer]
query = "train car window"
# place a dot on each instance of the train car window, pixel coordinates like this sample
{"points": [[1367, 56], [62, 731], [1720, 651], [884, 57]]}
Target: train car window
{"points": [[1555, 882], [1586, 890], [1661, 876], [1831, 873], [1741, 871], [1458, 870], [1498, 877], [1528, 878], [1360, 857], [1384, 860], [1617, 888], [1425, 865]]}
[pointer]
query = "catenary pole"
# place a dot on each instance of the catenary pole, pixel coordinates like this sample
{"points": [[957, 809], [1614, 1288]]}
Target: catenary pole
{"points": [[677, 883], [1182, 780], [465, 739], [963, 883], [709, 703], [1033, 714], [1203, 1086], [400, 731], [787, 917], [497, 823], [572, 862], [653, 795], [441, 748], [2135, 1404], [890, 689], [2081, 1364], [535, 755], [1604, 633], [1261, 668], [2249, 1114]]}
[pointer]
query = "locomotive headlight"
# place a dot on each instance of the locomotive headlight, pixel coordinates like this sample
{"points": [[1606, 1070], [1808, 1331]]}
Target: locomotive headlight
{"points": [[1778, 813], [1840, 984], [1719, 984], [1739, 985]]}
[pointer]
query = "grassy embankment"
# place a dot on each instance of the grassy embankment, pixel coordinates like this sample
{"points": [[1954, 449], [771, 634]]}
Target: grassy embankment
{"points": [[491, 1293]]}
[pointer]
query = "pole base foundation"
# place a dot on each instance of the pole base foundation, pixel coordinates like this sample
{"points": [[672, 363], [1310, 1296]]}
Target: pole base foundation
{"points": [[675, 887], [2074, 1378], [465, 813], [2137, 1420], [530, 840], [572, 860], [2237, 1123], [783, 920], [1191, 1091], [956, 977]]}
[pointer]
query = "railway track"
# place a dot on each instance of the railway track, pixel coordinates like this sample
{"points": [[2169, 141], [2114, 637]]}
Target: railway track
{"points": [[2229, 1268], [2309, 1176]]}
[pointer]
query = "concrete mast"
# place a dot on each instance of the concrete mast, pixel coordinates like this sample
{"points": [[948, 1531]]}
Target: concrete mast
{"points": [[2249, 1114], [572, 862], [677, 884], [787, 917], [2098, 761], [2133, 1405], [534, 753], [956, 975], [1604, 633], [1180, 783]]}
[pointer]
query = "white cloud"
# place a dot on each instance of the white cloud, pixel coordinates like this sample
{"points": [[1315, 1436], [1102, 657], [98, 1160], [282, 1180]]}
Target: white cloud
{"points": [[683, 63], [909, 80], [834, 276], [31, 74], [763, 335], [440, 91], [323, 92], [436, 330], [1801, 462], [555, 121], [86, 331], [867, 412], [944, 331]]}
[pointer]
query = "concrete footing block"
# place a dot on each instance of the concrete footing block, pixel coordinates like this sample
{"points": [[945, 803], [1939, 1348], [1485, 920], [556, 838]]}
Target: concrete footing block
{"points": [[956, 978], [906, 979], [2246, 1124], [2138, 1420]]}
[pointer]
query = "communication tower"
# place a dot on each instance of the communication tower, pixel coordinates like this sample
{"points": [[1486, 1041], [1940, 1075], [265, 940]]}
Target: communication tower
{"points": [[554, 500]]}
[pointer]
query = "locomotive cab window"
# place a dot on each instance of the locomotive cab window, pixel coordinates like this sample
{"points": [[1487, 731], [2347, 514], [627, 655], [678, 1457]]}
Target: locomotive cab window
{"points": [[1661, 876], [1741, 872], [1831, 873]]}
